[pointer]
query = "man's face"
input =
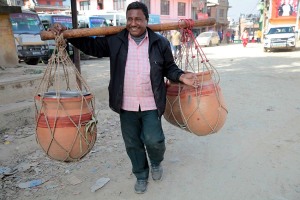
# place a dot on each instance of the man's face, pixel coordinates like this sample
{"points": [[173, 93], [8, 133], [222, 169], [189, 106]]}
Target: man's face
{"points": [[136, 22]]}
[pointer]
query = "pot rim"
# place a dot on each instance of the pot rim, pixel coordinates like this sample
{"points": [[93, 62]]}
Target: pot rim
{"points": [[64, 94]]}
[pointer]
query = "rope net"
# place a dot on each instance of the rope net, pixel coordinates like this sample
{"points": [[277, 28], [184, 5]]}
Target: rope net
{"points": [[200, 109], [64, 104]]}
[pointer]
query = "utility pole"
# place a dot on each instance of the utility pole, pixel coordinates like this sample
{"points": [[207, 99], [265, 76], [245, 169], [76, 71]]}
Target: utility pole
{"points": [[264, 17]]}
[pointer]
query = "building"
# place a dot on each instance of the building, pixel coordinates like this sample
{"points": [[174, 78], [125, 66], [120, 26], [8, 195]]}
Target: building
{"points": [[169, 10]]}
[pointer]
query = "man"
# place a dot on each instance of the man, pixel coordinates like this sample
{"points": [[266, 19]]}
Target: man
{"points": [[176, 42], [139, 61], [285, 9], [258, 36]]}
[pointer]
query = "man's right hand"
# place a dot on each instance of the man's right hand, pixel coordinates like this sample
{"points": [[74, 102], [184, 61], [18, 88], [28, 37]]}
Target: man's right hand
{"points": [[57, 28]]}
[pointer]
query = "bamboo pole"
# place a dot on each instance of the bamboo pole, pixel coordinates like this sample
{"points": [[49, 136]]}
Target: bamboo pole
{"points": [[85, 32]]}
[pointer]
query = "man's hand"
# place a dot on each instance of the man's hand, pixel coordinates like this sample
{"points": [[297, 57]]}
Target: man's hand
{"points": [[57, 28], [189, 79]]}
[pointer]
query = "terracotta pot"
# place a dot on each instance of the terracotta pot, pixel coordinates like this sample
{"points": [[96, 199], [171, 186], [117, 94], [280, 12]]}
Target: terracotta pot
{"points": [[61, 126], [201, 110]]}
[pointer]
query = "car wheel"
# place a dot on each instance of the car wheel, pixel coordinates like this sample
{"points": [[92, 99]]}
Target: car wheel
{"points": [[265, 49], [32, 61]]}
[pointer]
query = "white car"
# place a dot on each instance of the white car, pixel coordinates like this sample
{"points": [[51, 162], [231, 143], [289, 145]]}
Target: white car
{"points": [[280, 37], [208, 38]]}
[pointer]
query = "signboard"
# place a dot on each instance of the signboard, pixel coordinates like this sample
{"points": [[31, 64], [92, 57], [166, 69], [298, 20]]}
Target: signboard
{"points": [[284, 8], [202, 15]]}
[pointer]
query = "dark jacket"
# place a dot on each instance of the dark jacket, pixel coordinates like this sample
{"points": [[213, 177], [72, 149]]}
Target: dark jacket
{"points": [[116, 47]]}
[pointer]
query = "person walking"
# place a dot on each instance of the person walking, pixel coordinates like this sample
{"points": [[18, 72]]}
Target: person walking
{"points": [[258, 38], [227, 37], [139, 61], [176, 42], [232, 37], [245, 38], [169, 38], [220, 33]]}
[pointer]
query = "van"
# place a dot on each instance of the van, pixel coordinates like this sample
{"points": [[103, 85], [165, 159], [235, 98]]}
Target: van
{"points": [[92, 21], [114, 18], [26, 28], [48, 20]]}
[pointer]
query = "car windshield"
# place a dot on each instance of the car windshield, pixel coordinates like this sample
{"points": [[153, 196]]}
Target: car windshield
{"points": [[281, 30], [26, 23], [205, 34]]}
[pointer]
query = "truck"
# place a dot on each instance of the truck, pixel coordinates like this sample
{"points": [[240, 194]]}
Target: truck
{"points": [[282, 27], [26, 28]]}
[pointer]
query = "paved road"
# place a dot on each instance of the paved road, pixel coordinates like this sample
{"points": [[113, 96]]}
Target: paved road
{"points": [[255, 156]]}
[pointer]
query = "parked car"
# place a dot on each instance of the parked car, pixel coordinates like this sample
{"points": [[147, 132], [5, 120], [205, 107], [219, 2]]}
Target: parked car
{"points": [[208, 38], [281, 37]]}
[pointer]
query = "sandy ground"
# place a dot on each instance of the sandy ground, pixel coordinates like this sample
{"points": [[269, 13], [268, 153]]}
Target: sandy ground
{"points": [[255, 156]]}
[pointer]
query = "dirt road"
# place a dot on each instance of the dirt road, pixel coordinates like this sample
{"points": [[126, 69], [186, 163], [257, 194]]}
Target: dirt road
{"points": [[255, 156]]}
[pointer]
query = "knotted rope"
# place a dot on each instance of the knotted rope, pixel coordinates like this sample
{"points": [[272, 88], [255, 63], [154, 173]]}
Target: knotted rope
{"points": [[64, 102]]}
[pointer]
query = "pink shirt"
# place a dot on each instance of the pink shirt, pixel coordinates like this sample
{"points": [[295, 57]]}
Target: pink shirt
{"points": [[137, 84]]}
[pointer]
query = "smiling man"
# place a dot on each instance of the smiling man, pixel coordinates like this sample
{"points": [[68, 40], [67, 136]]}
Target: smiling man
{"points": [[139, 61]]}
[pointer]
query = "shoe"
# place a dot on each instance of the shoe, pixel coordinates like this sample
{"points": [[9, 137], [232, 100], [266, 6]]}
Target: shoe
{"points": [[157, 172], [140, 186]]}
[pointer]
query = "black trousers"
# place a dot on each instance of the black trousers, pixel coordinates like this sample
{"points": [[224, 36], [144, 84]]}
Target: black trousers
{"points": [[143, 135]]}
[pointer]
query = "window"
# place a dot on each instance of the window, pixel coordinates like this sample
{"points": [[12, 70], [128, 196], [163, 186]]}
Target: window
{"points": [[147, 3], [181, 9], [208, 11], [100, 4], [221, 13], [119, 4], [84, 5], [165, 7]]}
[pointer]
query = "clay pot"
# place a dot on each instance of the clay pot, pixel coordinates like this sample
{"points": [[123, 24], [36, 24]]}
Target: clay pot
{"points": [[61, 124], [200, 110]]}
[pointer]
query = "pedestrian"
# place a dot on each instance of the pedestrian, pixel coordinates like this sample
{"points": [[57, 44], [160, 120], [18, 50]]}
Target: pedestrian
{"points": [[232, 37], [169, 38], [227, 37], [176, 42], [258, 38], [139, 61], [244, 38], [220, 36]]}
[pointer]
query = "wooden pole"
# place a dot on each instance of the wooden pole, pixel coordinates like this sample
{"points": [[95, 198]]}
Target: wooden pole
{"points": [[76, 52], [85, 32]]}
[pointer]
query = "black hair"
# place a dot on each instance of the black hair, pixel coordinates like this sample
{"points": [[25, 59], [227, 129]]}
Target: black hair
{"points": [[139, 5]]}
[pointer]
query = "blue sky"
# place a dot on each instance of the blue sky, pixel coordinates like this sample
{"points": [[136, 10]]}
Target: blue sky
{"points": [[242, 7]]}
